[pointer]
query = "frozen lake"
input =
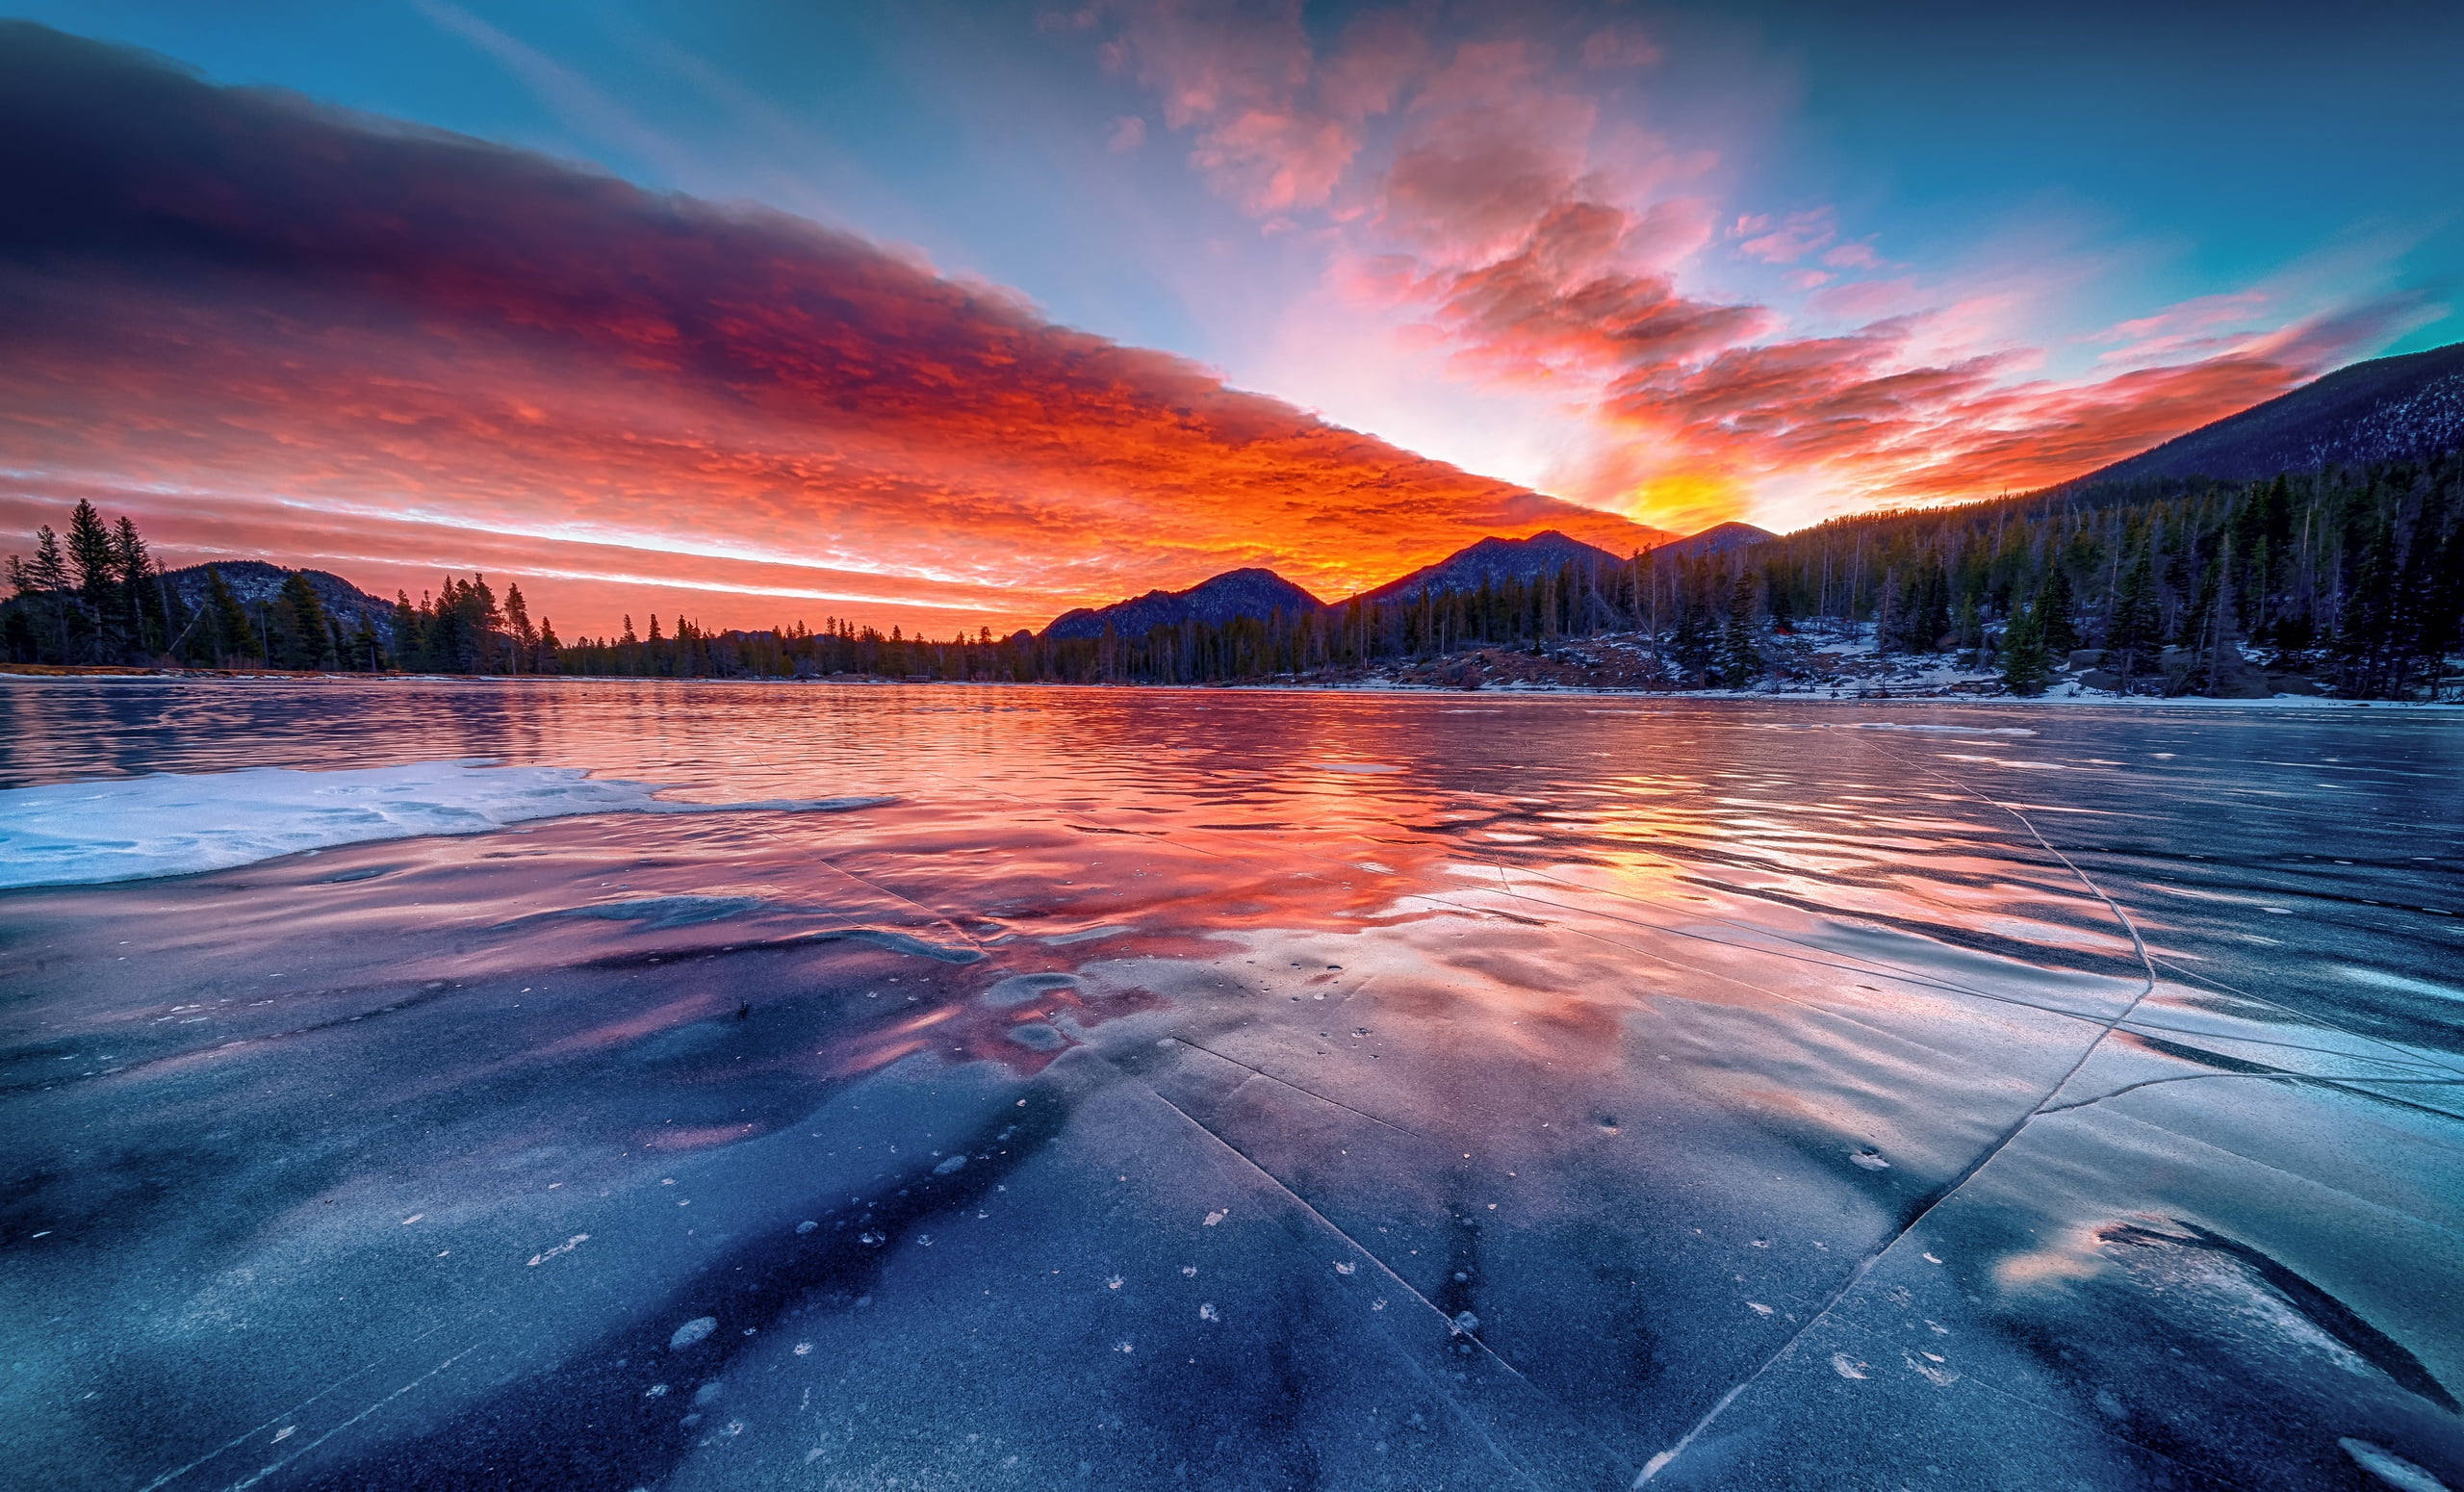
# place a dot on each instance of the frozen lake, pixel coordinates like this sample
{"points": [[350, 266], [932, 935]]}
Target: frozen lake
{"points": [[945, 1087]]}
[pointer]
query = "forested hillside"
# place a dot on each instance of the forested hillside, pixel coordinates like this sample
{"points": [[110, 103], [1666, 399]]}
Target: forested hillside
{"points": [[2351, 582], [98, 599], [2348, 581]]}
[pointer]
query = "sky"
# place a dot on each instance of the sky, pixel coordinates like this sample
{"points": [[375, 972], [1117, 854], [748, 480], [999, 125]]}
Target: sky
{"points": [[958, 316]]}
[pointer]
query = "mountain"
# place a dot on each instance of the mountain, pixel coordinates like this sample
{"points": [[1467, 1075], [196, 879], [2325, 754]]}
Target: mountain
{"points": [[1719, 539], [1235, 593], [256, 582], [2387, 409], [1496, 561]]}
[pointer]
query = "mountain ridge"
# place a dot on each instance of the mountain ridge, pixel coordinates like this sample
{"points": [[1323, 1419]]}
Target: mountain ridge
{"points": [[1493, 561], [2406, 407]]}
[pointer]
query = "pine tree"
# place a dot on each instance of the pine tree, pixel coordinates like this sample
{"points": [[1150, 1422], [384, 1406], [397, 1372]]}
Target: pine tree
{"points": [[1689, 644], [91, 553], [139, 603], [42, 593], [1933, 609], [233, 635], [302, 633], [1740, 649], [2135, 633], [2025, 664], [2368, 644], [1969, 630], [47, 572], [526, 638], [366, 649], [2054, 609], [410, 644]]}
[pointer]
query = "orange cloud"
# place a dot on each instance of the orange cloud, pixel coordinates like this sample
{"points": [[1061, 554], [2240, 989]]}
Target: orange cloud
{"points": [[261, 325], [1533, 240]]}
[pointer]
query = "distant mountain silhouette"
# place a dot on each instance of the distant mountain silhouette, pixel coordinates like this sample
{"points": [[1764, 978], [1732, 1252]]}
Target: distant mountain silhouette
{"points": [[2388, 409], [1235, 593], [256, 582], [1718, 539], [1494, 562]]}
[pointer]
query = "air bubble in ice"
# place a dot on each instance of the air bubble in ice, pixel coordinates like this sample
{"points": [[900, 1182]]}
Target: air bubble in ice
{"points": [[953, 1162], [1869, 1159], [807, 1227], [1466, 1322], [1847, 1367]]}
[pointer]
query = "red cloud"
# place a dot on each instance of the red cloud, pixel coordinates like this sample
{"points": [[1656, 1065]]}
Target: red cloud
{"points": [[240, 313]]}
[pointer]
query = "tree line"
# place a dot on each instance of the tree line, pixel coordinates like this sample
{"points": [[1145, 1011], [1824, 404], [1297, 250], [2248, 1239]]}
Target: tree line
{"points": [[98, 598], [2353, 577]]}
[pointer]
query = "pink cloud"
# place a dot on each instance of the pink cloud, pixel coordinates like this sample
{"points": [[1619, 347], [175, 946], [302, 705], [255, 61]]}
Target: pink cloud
{"points": [[1793, 237], [1277, 126], [2189, 325]]}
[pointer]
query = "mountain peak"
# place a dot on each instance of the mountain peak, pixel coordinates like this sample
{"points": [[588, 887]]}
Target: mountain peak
{"points": [[1494, 561], [1251, 592], [1718, 539]]}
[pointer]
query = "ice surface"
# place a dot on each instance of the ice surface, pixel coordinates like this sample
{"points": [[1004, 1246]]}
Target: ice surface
{"points": [[1726, 1096], [123, 829]]}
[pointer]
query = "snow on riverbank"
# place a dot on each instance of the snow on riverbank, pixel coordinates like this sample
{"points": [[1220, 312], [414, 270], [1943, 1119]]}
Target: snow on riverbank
{"points": [[130, 828]]}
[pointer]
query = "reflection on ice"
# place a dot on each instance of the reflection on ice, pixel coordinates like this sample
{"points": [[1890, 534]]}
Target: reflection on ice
{"points": [[1131, 1094]]}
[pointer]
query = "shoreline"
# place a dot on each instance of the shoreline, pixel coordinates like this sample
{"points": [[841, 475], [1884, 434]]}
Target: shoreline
{"points": [[36, 673]]}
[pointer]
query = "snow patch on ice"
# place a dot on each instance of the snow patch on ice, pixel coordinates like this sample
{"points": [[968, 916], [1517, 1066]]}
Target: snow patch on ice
{"points": [[131, 828], [2389, 1467], [692, 1331]]}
